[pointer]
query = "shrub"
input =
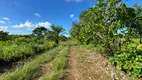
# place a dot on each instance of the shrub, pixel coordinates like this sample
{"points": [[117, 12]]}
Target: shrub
{"points": [[139, 47], [129, 61], [16, 51], [22, 47]]}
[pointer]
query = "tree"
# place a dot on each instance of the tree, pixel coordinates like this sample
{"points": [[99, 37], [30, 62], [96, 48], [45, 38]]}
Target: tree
{"points": [[137, 23], [75, 30], [131, 18], [3, 36], [39, 32], [55, 32], [100, 25]]}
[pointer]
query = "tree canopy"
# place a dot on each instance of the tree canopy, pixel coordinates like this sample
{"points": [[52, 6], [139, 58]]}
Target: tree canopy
{"points": [[106, 23], [39, 32], [3, 36], [55, 33]]}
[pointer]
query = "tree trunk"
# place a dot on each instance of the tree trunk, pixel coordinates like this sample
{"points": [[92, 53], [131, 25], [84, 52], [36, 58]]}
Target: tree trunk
{"points": [[57, 41], [140, 38]]}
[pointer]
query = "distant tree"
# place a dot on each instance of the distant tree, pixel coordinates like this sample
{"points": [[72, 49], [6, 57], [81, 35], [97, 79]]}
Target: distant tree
{"points": [[3, 36], [62, 38], [39, 32], [55, 32]]}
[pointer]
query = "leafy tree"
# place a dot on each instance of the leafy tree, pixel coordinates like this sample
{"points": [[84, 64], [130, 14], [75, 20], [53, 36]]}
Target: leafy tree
{"points": [[137, 23], [39, 32], [99, 24], [3, 36], [55, 32], [107, 23], [112, 24], [131, 18], [75, 30]]}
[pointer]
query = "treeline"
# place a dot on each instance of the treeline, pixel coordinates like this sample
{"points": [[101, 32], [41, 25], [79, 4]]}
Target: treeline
{"points": [[115, 27], [55, 34]]}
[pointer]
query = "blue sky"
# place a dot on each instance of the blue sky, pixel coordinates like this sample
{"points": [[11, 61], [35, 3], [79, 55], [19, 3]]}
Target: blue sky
{"points": [[21, 16]]}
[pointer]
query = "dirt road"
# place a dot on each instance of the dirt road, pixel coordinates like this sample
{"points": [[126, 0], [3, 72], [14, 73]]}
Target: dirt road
{"points": [[88, 65]]}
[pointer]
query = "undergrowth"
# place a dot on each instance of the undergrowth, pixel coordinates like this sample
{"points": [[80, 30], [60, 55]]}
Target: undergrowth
{"points": [[58, 66], [32, 68]]}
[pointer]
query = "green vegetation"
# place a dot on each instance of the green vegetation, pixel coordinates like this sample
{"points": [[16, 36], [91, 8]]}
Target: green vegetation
{"points": [[13, 47], [22, 47], [39, 32], [31, 69], [58, 66], [43, 44], [115, 29], [3, 36], [55, 33], [110, 27], [129, 60], [107, 23]]}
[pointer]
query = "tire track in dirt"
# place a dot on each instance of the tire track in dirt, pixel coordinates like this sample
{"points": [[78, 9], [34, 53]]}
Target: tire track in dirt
{"points": [[46, 69], [72, 72]]}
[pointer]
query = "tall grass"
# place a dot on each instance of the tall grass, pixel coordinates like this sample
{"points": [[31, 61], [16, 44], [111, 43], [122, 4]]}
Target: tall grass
{"points": [[58, 66], [31, 69], [11, 50]]}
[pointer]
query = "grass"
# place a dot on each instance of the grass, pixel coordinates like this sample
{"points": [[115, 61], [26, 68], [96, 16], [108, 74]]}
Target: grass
{"points": [[97, 48], [58, 66], [13, 51], [31, 69], [69, 43]]}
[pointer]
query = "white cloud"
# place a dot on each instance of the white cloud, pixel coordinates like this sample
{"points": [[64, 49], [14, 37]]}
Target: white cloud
{"points": [[27, 24], [5, 18], [37, 14], [72, 15], [16, 3], [73, 0], [3, 28], [75, 19], [2, 22], [30, 25], [44, 24]]}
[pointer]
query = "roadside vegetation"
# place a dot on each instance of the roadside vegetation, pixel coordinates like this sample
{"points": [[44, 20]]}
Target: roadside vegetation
{"points": [[58, 66], [43, 44], [22, 48], [114, 29], [31, 69], [16, 47]]}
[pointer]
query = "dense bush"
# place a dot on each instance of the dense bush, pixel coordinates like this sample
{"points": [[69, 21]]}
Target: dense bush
{"points": [[14, 51], [42, 46], [4, 36], [129, 60], [22, 47]]}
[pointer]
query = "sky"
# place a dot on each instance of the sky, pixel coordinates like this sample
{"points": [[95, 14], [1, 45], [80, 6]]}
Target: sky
{"points": [[22, 16]]}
